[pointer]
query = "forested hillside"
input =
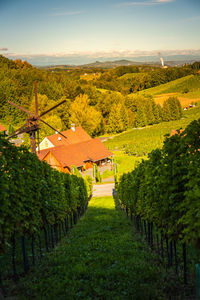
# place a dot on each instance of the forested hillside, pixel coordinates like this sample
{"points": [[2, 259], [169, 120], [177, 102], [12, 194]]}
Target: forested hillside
{"points": [[101, 100]]}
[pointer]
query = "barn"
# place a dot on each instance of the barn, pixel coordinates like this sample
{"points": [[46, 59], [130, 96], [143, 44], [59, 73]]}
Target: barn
{"points": [[77, 149]]}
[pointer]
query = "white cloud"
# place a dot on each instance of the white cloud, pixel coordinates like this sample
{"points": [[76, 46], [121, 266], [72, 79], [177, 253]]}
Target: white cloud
{"points": [[144, 3], [162, 1], [111, 53], [3, 49], [80, 58]]}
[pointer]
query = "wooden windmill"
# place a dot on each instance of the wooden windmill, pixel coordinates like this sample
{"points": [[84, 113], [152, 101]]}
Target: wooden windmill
{"points": [[32, 122]]}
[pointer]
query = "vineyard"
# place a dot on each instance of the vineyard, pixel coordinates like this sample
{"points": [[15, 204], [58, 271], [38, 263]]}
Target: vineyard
{"points": [[182, 86], [38, 206], [141, 141], [162, 196]]}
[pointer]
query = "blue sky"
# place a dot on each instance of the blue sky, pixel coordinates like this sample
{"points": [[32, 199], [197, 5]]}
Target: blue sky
{"points": [[47, 31]]}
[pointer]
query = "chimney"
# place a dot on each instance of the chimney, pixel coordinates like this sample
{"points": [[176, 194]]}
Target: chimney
{"points": [[73, 128]]}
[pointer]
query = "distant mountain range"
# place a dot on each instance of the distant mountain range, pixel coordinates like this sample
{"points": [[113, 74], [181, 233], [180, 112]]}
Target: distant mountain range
{"points": [[108, 61], [111, 64], [96, 64], [117, 63]]}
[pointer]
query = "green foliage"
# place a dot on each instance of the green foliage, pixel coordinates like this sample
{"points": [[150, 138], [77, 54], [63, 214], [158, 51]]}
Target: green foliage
{"points": [[140, 142], [10, 129], [119, 71], [96, 173], [75, 171], [107, 173], [165, 189], [189, 82], [147, 112], [85, 115], [146, 78], [88, 183], [89, 103], [32, 194], [172, 109], [125, 163], [107, 101], [116, 123], [196, 65]]}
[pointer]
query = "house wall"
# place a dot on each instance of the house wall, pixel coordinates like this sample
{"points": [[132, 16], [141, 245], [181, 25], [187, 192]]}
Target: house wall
{"points": [[54, 163], [45, 144]]}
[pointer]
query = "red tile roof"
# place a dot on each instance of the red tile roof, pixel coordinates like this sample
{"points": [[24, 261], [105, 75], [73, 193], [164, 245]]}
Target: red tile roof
{"points": [[2, 128], [77, 154], [42, 153], [174, 131], [73, 137]]}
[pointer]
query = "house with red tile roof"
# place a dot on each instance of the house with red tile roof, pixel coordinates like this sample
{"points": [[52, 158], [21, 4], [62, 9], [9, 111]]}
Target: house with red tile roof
{"points": [[77, 149], [72, 136]]}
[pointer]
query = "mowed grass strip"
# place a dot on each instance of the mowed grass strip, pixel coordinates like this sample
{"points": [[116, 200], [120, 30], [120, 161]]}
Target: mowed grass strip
{"points": [[101, 258]]}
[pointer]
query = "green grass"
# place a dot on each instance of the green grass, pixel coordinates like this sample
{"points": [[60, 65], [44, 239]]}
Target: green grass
{"points": [[125, 163], [128, 76], [101, 258], [107, 174], [140, 141]]}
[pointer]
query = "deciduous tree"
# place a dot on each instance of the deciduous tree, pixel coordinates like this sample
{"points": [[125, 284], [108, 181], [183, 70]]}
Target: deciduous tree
{"points": [[83, 114]]}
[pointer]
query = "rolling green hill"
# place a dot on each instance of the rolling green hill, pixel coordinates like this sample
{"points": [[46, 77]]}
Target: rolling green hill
{"points": [[190, 82], [187, 89], [141, 141]]}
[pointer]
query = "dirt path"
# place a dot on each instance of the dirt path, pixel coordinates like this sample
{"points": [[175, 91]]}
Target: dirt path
{"points": [[101, 190]]}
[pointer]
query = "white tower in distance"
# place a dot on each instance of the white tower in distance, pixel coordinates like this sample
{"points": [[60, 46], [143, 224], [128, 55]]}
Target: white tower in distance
{"points": [[161, 60]]}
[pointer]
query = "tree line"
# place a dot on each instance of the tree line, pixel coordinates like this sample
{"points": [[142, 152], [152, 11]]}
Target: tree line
{"points": [[140, 78]]}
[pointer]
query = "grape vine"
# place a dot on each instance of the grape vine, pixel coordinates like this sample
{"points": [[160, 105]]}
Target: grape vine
{"points": [[33, 195], [163, 192]]}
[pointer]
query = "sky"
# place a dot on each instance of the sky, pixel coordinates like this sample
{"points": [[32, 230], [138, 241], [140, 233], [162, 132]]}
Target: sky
{"points": [[80, 31]]}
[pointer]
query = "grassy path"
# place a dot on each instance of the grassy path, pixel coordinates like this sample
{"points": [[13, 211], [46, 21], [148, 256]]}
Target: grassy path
{"points": [[101, 258]]}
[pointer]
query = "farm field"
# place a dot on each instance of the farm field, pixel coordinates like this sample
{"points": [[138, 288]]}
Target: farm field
{"points": [[101, 258], [184, 100], [141, 141]]}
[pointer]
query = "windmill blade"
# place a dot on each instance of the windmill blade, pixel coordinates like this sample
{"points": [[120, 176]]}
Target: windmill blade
{"points": [[52, 127], [44, 113], [18, 131], [21, 108], [36, 99]]}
